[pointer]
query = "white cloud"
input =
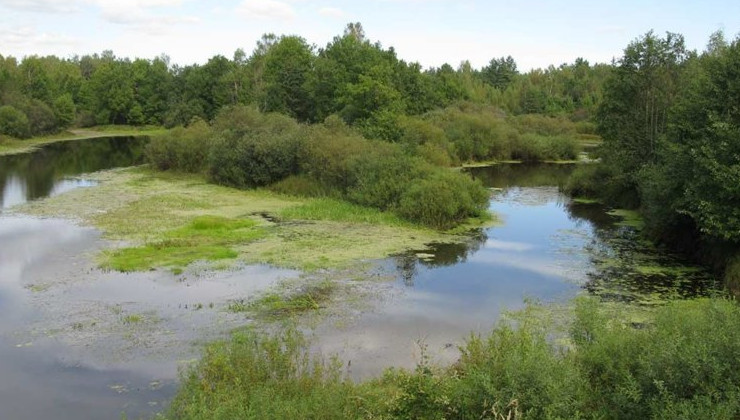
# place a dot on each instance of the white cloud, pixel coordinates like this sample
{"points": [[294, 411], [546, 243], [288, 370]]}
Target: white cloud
{"points": [[27, 36], [45, 6], [332, 12], [266, 9]]}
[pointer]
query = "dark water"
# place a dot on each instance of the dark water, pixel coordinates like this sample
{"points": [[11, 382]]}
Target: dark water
{"points": [[55, 168]]}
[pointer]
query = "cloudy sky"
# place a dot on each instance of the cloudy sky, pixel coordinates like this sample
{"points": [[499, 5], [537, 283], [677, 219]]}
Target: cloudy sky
{"points": [[535, 32]]}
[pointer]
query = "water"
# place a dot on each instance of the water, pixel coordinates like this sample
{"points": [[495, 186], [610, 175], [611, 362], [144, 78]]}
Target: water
{"points": [[80, 343], [547, 249], [55, 168], [76, 342]]}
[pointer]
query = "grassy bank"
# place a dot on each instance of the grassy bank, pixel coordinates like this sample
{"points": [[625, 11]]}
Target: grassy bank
{"points": [[678, 363], [169, 219], [10, 146]]}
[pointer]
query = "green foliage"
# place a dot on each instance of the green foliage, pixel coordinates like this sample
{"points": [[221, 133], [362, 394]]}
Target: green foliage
{"points": [[183, 149], [679, 364], [256, 150], [637, 97], [13, 122], [253, 376], [64, 110], [442, 199]]}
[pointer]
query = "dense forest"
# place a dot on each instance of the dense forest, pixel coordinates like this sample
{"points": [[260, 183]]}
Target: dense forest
{"points": [[364, 83]]}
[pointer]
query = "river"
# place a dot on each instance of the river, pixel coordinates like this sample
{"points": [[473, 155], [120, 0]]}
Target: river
{"points": [[78, 342]]}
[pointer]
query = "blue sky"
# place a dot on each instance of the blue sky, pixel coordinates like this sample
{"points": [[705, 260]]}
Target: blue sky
{"points": [[536, 33]]}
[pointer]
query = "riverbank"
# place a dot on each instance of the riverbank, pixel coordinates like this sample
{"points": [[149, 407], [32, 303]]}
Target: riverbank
{"points": [[9, 146]]}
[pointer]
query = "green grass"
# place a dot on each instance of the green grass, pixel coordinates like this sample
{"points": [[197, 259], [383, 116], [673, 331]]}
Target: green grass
{"points": [[310, 297], [679, 362], [341, 211], [209, 238]]}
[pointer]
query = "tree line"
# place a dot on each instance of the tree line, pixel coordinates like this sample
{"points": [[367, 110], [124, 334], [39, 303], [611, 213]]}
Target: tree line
{"points": [[670, 122], [367, 85]]}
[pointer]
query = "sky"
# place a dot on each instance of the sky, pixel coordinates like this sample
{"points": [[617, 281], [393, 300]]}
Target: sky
{"points": [[537, 33]]}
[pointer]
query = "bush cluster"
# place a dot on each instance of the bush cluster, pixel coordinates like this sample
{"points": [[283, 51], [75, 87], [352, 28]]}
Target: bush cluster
{"points": [[469, 132], [245, 148]]}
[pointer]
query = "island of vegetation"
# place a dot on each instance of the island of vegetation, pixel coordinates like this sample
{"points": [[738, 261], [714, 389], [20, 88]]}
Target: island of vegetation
{"points": [[348, 139]]}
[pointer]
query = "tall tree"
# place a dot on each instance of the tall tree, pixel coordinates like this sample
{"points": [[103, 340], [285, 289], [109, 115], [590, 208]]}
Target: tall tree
{"points": [[633, 114]]}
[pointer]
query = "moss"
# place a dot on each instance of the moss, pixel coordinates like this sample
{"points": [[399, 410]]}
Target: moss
{"points": [[630, 218]]}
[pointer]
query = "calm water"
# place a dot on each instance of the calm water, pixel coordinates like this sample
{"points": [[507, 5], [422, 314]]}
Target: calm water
{"points": [[66, 349], [54, 169], [546, 249], [64, 354]]}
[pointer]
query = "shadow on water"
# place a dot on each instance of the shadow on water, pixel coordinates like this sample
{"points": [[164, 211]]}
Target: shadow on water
{"points": [[52, 169]]}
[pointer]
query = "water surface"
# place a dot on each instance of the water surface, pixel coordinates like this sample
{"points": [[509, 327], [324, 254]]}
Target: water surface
{"points": [[546, 249], [55, 168]]}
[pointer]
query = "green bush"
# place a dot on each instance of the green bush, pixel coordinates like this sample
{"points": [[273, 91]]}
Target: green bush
{"points": [[64, 110], [41, 118], [184, 149], [680, 364], [14, 122], [265, 377], [253, 149], [442, 199]]}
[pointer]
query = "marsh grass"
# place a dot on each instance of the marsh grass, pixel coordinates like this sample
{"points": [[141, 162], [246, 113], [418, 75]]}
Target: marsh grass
{"points": [[147, 208], [275, 306]]}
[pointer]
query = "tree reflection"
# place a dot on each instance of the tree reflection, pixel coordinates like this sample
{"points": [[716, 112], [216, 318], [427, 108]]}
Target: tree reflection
{"points": [[41, 171]]}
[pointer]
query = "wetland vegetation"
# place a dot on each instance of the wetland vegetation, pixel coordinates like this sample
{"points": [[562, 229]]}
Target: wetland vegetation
{"points": [[326, 159]]}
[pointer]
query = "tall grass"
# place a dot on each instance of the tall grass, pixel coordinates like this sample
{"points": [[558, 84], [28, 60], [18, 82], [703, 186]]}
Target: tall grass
{"points": [[681, 364]]}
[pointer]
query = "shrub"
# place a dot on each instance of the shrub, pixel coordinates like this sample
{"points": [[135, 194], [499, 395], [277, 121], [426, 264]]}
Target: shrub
{"points": [[253, 149], [184, 149], [683, 365], [41, 119], [442, 199], [64, 110], [14, 122]]}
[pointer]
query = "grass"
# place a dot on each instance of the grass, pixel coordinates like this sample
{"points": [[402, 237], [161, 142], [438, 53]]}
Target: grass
{"points": [[152, 213], [310, 297], [342, 211], [209, 238], [10, 146], [677, 362]]}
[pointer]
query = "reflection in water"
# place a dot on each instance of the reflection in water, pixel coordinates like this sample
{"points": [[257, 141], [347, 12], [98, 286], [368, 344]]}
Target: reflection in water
{"points": [[546, 234], [50, 170], [523, 175]]}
